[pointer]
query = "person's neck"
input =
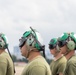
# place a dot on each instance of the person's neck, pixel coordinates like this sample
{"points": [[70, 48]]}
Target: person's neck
{"points": [[70, 54], [1, 51], [59, 55], [32, 55]]}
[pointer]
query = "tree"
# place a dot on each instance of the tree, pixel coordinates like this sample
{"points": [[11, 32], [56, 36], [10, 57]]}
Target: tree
{"points": [[14, 58]]}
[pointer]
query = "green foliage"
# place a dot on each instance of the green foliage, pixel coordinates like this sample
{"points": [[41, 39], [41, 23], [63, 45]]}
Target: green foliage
{"points": [[19, 60], [14, 58], [48, 60]]}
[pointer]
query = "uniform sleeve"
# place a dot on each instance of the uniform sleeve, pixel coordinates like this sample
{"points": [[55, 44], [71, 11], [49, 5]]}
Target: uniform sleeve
{"points": [[37, 71], [3, 68], [61, 68]]}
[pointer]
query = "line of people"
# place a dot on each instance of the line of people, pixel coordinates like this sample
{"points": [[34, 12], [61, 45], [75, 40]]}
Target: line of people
{"points": [[31, 45], [63, 48]]}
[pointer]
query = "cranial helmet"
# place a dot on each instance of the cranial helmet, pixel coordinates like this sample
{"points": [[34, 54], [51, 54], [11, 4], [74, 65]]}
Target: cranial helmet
{"points": [[3, 41], [68, 39], [53, 44], [33, 39]]}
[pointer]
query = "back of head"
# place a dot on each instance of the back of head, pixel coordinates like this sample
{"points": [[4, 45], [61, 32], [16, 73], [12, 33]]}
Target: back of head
{"points": [[3, 41]]}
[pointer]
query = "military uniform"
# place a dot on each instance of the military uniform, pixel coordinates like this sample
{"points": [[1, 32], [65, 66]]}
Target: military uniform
{"points": [[6, 64], [71, 66], [58, 66], [37, 66]]}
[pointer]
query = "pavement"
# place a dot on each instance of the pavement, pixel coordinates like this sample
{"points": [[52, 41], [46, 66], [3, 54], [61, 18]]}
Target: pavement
{"points": [[19, 68]]}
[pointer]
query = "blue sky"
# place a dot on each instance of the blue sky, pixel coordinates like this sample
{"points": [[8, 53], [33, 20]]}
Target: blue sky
{"points": [[50, 17]]}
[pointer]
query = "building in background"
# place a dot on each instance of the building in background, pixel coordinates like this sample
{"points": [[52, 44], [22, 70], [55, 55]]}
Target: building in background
{"points": [[48, 54], [17, 53]]}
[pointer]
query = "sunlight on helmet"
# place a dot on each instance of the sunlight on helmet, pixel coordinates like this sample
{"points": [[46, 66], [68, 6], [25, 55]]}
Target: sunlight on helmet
{"points": [[6, 39], [39, 38], [61, 35], [75, 35]]}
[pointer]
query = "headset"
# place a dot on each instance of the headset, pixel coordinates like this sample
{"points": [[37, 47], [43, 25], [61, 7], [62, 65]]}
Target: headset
{"points": [[69, 40], [71, 44], [30, 38], [3, 41], [54, 44]]}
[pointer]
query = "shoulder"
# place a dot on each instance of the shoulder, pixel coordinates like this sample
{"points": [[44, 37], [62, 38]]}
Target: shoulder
{"points": [[38, 66], [3, 57], [63, 60], [52, 62], [39, 70], [39, 62], [72, 60]]}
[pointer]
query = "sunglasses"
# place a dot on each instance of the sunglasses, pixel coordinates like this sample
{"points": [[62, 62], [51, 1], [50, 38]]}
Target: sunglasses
{"points": [[52, 46], [22, 42]]}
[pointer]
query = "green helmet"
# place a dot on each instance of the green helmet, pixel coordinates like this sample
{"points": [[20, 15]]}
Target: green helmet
{"points": [[65, 37], [53, 43], [32, 38], [73, 36], [3, 41]]}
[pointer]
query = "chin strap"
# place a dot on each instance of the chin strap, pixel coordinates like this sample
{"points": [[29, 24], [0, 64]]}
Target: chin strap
{"points": [[27, 54], [28, 50]]}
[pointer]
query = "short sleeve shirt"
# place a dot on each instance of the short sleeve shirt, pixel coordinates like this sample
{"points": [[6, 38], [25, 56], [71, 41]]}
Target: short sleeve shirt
{"points": [[71, 66], [38, 66], [6, 64], [58, 66]]}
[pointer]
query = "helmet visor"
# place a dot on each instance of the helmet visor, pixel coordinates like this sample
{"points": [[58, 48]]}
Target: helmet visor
{"points": [[61, 43], [22, 42], [51, 46]]}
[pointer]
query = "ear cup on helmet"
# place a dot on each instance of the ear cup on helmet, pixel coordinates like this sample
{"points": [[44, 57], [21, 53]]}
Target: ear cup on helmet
{"points": [[2, 43], [31, 42], [71, 45]]}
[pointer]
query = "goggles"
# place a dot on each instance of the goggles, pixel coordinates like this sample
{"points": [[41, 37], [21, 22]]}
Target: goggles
{"points": [[52, 46], [61, 43]]}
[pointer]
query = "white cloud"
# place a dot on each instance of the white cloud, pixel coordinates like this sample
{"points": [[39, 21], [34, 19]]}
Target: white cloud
{"points": [[50, 17]]}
